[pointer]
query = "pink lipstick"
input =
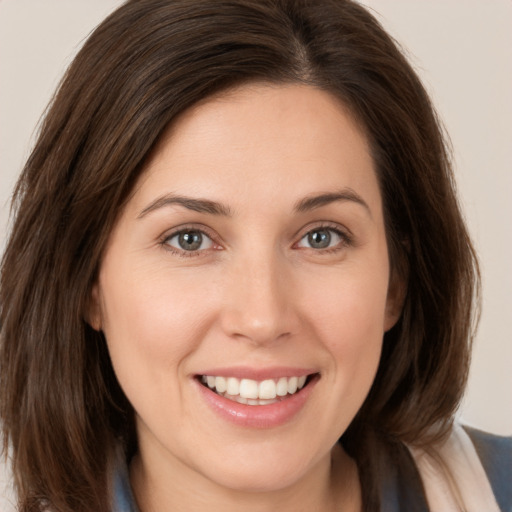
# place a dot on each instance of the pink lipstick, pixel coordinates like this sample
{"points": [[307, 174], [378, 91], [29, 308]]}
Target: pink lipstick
{"points": [[257, 398]]}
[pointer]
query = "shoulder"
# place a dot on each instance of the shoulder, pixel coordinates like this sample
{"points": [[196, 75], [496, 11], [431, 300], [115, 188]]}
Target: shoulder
{"points": [[495, 454], [409, 474], [401, 488]]}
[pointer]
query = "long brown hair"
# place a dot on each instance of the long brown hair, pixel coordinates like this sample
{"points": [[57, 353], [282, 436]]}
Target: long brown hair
{"points": [[61, 407]]}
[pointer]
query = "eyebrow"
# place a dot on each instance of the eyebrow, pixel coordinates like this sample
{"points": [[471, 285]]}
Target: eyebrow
{"points": [[195, 204], [316, 201], [215, 208]]}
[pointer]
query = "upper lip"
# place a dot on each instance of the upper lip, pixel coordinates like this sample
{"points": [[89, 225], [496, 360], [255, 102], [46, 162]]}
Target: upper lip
{"points": [[259, 374]]}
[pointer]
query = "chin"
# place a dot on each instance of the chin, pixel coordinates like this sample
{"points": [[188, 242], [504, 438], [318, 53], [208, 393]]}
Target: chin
{"points": [[252, 480], [258, 474]]}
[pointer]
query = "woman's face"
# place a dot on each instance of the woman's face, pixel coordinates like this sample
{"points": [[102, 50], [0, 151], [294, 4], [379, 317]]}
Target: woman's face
{"points": [[252, 256]]}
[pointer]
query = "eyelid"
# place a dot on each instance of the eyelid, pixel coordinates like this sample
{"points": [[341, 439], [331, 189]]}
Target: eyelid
{"points": [[323, 224]]}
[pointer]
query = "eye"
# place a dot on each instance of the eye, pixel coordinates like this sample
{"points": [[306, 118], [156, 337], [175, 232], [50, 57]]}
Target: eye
{"points": [[322, 238], [190, 240]]}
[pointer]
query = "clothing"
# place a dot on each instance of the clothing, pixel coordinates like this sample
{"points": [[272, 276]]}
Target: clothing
{"points": [[402, 488], [453, 476], [123, 500]]}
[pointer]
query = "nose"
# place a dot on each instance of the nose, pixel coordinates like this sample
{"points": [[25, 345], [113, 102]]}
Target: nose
{"points": [[258, 304]]}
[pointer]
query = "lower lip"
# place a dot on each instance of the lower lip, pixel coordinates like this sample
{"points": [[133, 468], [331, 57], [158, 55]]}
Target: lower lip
{"points": [[258, 416]]}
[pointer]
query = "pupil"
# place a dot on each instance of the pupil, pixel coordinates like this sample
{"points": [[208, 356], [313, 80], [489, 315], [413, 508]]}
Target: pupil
{"points": [[319, 239], [190, 240]]}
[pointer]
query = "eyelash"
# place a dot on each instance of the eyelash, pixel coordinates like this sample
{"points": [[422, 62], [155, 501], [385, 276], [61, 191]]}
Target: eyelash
{"points": [[346, 240]]}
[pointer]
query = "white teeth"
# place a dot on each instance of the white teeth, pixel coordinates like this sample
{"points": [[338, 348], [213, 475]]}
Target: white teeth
{"points": [[248, 401], [267, 402], [292, 385], [235, 398], [252, 392], [282, 387], [233, 386], [248, 388], [267, 389], [220, 384]]}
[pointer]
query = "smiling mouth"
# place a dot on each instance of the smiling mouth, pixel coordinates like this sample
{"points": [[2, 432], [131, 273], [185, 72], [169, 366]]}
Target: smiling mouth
{"points": [[253, 392]]}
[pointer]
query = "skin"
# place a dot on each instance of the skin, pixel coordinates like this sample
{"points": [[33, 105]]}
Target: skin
{"points": [[255, 293]]}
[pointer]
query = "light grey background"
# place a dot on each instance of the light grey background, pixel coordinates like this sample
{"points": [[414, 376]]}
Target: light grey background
{"points": [[463, 52]]}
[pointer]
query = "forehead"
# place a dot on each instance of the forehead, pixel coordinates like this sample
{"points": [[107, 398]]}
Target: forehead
{"points": [[294, 139]]}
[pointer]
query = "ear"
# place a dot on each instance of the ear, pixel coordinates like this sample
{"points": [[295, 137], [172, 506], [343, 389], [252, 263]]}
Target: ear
{"points": [[93, 312], [397, 291]]}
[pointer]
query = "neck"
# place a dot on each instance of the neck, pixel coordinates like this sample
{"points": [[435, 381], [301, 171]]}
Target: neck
{"points": [[331, 485]]}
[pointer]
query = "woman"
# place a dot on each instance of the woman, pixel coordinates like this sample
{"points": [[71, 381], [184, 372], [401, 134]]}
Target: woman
{"points": [[238, 275]]}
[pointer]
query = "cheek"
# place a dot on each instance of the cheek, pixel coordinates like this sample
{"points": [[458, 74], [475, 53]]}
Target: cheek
{"points": [[351, 305], [349, 319], [149, 306], [150, 327]]}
